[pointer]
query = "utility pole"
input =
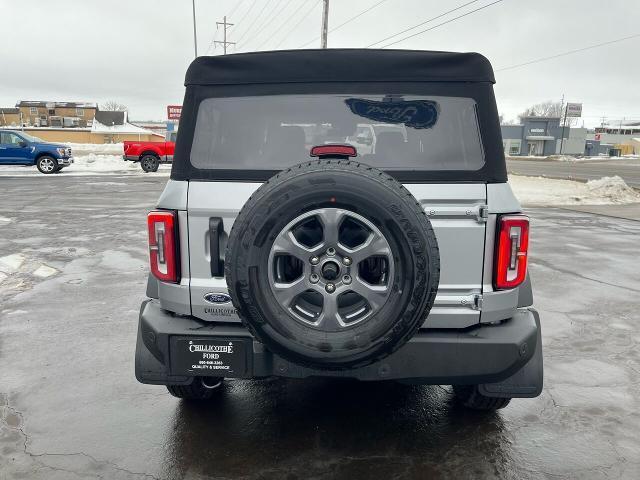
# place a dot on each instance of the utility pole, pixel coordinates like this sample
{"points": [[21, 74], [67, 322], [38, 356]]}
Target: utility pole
{"points": [[195, 38], [224, 42], [325, 23], [564, 124]]}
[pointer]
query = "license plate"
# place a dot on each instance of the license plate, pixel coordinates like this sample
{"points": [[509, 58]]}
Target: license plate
{"points": [[210, 358]]}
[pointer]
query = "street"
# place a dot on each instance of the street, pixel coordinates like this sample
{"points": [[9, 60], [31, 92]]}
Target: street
{"points": [[627, 169], [70, 406]]}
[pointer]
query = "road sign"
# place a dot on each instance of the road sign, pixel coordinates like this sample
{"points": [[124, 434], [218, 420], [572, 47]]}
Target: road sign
{"points": [[174, 112], [574, 109]]}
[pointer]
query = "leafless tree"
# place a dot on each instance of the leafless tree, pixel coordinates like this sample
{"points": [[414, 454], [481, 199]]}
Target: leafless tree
{"points": [[548, 109], [113, 106]]}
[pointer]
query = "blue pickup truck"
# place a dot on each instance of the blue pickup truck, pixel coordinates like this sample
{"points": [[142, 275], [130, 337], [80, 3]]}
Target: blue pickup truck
{"points": [[19, 148]]}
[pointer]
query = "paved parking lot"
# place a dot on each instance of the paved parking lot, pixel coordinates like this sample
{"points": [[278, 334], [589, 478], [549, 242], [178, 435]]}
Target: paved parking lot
{"points": [[74, 258]]}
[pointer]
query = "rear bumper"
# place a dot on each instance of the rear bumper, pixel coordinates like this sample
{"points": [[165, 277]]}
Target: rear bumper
{"points": [[130, 158], [489, 354]]}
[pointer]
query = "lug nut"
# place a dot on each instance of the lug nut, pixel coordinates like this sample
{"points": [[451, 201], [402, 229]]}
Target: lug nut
{"points": [[330, 288], [313, 278], [331, 251], [346, 261], [314, 260], [346, 279]]}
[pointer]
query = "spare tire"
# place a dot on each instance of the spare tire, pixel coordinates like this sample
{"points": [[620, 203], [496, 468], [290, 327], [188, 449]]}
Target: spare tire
{"points": [[332, 264]]}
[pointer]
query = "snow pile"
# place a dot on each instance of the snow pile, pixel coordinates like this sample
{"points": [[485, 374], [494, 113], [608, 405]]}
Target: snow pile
{"points": [[546, 191], [101, 163], [613, 188], [564, 158], [97, 148]]}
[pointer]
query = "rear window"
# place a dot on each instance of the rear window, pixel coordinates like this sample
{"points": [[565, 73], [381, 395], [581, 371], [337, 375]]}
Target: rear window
{"points": [[391, 132]]}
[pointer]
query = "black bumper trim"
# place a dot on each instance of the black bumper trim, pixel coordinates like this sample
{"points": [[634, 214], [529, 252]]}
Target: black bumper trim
{"points": [[481, 355]]}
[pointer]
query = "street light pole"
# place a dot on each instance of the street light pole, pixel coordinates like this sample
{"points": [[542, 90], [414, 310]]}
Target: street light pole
{"points": [[325, 23], [195, 38]]}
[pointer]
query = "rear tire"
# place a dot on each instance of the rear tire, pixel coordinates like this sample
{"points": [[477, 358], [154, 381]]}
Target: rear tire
{"points": [[470, 397], [47, 164], [149, 163], [197, 390]]}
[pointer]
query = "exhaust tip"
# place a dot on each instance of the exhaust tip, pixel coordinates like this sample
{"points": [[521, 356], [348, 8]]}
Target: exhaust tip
{"points": [[211, 383]]}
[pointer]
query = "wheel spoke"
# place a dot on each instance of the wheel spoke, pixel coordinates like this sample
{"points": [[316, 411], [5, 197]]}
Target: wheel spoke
{"points": [[375, 245], [287, 292], [376, 295], [330, 218], [286, 243], [330, 318]]}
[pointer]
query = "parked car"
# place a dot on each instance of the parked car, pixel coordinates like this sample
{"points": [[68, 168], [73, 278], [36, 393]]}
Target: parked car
{"points": [[150, 154], [274, 256], [19, 148]]}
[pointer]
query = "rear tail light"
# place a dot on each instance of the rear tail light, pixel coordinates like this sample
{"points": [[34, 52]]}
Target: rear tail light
{"points": [[163, 245], [511, 251], [333, 151]]}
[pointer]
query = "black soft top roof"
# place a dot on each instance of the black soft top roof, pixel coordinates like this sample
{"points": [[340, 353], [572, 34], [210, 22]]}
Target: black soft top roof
{"points": [[339, 65]]}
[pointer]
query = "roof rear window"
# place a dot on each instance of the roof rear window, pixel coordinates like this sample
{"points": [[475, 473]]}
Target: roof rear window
{"points": [[390, 132]]}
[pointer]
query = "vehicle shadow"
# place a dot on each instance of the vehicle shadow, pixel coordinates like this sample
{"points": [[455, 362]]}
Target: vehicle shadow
{"points": [[330, 428]]}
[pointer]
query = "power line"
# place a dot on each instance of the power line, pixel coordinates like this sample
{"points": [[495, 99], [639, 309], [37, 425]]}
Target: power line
{"points": [[254, 21], [245, 14], [278, 14], [423, 23], [443, 23], [347, 21], [269, 18], [570, 52], [286, 22], [233, 10], [298, 23]]}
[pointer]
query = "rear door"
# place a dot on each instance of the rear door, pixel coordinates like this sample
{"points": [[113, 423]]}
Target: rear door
{"points": [[10, 150], [456, 211]]}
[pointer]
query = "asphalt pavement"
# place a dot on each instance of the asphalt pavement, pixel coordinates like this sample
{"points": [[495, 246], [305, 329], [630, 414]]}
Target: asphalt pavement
{"points": [[74, 250], [628, 169]]}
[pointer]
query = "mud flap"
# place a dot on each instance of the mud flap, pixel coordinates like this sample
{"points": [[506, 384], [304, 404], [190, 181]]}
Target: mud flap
{"points": [[149, 369], [526, 382]]}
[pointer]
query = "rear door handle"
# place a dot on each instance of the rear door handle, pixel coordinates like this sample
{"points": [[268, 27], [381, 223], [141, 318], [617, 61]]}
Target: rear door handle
{"points": [[215, 231]]}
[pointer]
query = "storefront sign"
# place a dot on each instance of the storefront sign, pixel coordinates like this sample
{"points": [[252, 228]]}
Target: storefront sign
{"points": [[574, 109], [536, 130], [174, 112]]}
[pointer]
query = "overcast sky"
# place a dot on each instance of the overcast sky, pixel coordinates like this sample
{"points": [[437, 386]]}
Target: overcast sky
{"points": [[136, 51]]}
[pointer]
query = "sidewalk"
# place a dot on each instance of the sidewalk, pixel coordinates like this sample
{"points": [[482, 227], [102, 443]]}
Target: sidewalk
{"points": [[629, 211]]}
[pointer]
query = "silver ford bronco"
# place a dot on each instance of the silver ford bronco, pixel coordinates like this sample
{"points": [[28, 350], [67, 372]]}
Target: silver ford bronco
{"points": [[340, 213]]}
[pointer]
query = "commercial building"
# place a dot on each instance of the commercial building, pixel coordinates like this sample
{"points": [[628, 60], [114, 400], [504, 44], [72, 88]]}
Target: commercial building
{"points": [[542, 136], [38, 113], [9, 117], [623, 138], [73, 122]]}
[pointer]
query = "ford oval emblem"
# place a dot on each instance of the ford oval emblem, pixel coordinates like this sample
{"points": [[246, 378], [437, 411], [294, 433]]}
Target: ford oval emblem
{"points": [[217, 298]]}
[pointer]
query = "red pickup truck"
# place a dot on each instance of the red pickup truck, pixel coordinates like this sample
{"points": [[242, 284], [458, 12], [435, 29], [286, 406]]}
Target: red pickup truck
{"points": [[151, 154]]}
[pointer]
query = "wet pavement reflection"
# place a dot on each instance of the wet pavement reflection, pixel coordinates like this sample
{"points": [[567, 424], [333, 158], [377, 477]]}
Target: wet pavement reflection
{"points": [[327, 427]]}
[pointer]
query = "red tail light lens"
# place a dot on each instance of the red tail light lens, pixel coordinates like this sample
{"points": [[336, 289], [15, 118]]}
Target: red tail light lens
{"points": [[333, 150], [163, 245], [511, 251]]}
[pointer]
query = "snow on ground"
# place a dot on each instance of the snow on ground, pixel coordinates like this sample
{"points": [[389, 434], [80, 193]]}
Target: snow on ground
{"points": [[90, 164], [79, 149], [11, 263], [546, 191], [44, 271]]}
